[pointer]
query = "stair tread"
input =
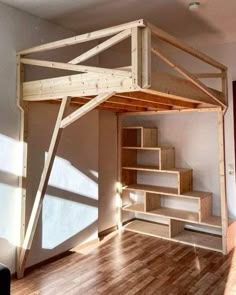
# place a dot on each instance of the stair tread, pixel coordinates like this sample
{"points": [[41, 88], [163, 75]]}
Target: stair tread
{"points": [[161, 147], [155, 168], [185, 215], [167, 191], [164, 211]]}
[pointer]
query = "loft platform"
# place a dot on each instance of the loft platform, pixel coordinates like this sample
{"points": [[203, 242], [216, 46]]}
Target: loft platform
{"points": [[138, 87]]}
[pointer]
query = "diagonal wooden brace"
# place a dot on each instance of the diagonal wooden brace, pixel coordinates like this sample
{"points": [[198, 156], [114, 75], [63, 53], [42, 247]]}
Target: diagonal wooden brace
{"points": [[93, 103], [190, 77], [61, 123], [42, 188]]}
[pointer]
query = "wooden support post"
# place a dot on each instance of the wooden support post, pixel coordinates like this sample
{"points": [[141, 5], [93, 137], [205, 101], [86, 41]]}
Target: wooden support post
{"points": [[23, 106], [224, 82], [224, 209], [42, 188], [93, 103], [136, 57], [146, 57], [119, 168]]}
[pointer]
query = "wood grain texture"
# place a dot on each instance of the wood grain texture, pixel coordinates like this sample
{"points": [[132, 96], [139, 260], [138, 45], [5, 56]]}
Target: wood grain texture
{"points": [[131, 264]]}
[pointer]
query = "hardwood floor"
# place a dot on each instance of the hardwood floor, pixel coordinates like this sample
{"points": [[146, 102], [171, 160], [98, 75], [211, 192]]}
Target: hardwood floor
{"points": [[130, 263]]}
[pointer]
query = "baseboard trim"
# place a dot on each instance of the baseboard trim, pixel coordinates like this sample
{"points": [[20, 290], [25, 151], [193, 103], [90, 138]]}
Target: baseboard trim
{"points": [[107, 231], [83, 246]]}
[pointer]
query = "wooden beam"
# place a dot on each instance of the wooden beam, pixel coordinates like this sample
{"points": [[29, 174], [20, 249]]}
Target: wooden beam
{"points": [[76, 68], [93, 103], [101, 47], [213, 109], [119, 99], [23, 106], [146, 57], [111, 106], [224, 82], [149, 97], [126, 101], [181, 45], [223, 199], [207, 75], [136, 57], [83, 38], [189, 77], [42, 187]]}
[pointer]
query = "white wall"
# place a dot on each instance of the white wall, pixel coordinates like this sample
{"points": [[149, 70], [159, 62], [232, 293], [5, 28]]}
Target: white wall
{"points": [[18, 31], [70, 208]]}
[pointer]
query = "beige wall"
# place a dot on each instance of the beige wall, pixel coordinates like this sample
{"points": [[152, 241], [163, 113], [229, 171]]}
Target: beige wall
{"points": [[107, 170]]}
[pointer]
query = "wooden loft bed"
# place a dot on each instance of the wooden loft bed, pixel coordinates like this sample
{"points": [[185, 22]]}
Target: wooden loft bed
{"points": [[134, 89], [137, 87]]}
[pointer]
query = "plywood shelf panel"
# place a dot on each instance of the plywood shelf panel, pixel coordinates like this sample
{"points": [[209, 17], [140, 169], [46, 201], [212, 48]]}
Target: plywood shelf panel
{"points": [[134, 207], [148, 228], [155, 169], [158, 148], [142, 168], [176, 214], [153, 189], [192, 238], [164, 212], [206, 241], [166, 191]]}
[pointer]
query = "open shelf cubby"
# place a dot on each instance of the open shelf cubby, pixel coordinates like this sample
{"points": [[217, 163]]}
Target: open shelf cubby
{"points": [[176, 232]]}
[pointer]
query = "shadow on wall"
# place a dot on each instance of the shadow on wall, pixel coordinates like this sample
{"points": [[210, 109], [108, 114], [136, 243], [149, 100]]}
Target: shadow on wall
{"points": [[70, 209]]}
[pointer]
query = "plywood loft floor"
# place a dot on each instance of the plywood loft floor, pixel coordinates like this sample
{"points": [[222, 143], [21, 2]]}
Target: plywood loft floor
{"points": [[130, 263]]}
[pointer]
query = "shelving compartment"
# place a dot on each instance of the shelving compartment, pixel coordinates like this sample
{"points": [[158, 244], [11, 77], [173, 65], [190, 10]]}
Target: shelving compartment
{"points": [[175, 231], [179, 233], [139, 137], [157, 230], [156, 158], [171, 206], [177, 181], [158, 205]]}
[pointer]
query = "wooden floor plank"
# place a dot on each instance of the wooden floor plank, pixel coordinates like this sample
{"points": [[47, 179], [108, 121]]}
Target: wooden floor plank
{"points": [[134, 264]]}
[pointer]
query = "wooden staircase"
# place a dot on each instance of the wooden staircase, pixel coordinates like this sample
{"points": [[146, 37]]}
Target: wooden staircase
{"points": [[153, 200]]}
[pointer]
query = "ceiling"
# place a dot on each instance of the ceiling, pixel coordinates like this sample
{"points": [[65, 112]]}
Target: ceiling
{"points": [[214, 22]]}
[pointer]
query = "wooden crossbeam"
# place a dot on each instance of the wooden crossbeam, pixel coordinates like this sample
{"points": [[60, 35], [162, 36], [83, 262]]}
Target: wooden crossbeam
{"points": [[83, 38], [30, 232], [181, 45], [119, 99], [111, 105], [93, 103], [208, 75], [133, 102], [212, 98], [76, 68], [149, 97], [101, 47]]}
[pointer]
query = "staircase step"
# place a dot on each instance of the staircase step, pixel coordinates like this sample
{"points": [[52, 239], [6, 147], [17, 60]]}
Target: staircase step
{"points": [[167, 191]]}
